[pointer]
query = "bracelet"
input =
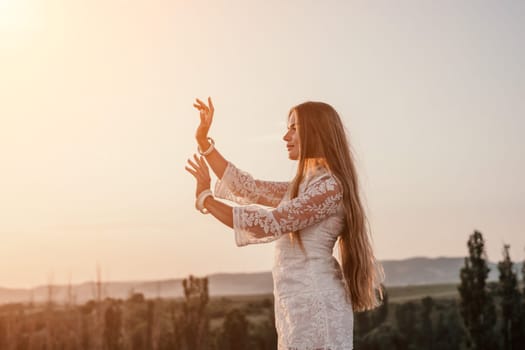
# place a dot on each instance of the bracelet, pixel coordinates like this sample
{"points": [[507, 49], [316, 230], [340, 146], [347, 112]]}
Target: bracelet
{"points": [[209, 150], [199, 202]]}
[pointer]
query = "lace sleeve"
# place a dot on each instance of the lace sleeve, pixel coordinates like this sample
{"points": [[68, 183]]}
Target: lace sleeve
{"points": [[319, 200], [240, 187]]}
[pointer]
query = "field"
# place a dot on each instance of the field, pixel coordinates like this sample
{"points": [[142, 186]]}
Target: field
{"points": [[198, 321]]}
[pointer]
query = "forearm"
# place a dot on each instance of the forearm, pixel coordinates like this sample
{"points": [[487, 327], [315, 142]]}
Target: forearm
{"points": [[221, 211], [215, 160]]}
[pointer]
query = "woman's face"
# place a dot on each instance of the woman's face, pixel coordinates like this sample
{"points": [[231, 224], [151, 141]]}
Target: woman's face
{"points": [[292, 138]]}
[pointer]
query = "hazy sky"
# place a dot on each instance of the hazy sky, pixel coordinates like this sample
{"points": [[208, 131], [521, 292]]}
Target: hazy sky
{"points": [[97, 123]]}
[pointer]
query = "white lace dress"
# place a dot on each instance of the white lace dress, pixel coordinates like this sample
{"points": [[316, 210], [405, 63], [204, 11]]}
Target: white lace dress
{"points": [[312, 311]]}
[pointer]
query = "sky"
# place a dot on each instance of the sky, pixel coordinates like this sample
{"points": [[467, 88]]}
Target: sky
{"points": [[96, 124]]}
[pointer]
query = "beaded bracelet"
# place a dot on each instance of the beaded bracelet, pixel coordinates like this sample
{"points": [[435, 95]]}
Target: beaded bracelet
{"points": [[199, 202], [209, 150]]}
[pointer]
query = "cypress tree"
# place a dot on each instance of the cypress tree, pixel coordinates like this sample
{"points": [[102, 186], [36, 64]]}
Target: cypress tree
{"points": [[476, 306], [523, 278], [510, 302]]}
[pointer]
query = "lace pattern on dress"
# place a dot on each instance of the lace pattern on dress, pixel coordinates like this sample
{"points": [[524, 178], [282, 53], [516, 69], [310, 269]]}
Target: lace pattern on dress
{"points": [[318, 200], [311, 311], [327, 311], [240, 187]]}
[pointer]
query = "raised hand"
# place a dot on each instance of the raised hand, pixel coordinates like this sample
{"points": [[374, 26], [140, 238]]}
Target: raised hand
{"points": [[199, 169], [206, 145], [206, 115]]}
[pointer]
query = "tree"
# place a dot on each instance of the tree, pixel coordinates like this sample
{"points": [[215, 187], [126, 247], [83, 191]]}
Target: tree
{"points": [[196, 322], [523, 285], [3, 333], [112, 327], [510, 300], [476, 306], [384, 337], [366, 321], [406, 324], [426, 323], [448, 333], [380, 313], [176, 322], [234, 331], [150, 315], [522, 314]]}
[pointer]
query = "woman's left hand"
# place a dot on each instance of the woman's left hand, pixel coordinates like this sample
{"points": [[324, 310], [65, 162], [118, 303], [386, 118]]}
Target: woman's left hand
{"points": [[199, 169], [206, 114]]}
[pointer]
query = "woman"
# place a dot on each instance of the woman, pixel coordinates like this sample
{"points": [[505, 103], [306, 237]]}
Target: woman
{"points": [[314, 296]]}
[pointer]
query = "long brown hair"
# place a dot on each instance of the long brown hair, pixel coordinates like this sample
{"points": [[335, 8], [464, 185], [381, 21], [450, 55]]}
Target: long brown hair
{"points": [[323, 140]]}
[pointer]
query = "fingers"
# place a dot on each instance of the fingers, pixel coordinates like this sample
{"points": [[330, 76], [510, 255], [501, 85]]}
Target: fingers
{"points": [[201, 109], [212, 109], [198, 168], [194, 165], [204, 166], [211, 104], [200, 177], [197, 160], [201, 162], [191, 171], [202, 106], [206, 113]]}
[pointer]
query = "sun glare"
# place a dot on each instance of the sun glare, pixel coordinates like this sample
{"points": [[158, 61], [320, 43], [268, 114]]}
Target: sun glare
{"points": [[17, 15]]}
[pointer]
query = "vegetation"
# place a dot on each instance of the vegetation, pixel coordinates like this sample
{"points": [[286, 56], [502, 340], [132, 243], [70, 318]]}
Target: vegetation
{"points": [[473, 315], [477, 306], [512, 307]]}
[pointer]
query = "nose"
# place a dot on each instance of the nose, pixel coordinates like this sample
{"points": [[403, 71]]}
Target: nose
{"points": [[286, 136]]}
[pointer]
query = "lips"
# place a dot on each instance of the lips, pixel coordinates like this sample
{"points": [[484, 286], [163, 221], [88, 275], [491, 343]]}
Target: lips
{"points": [[289, 147]]}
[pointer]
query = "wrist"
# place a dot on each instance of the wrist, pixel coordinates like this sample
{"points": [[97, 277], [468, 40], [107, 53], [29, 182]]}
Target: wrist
{"points": [[203, 143], [199, 202], [206, 149]]}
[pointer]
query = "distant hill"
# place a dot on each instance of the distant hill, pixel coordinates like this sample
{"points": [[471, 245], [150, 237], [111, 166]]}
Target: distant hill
{"points": [[419, 270], [220, 284], [413, 271]]}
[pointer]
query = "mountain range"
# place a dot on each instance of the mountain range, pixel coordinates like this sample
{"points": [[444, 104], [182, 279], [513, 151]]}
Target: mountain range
{"points": [[412, 271]]}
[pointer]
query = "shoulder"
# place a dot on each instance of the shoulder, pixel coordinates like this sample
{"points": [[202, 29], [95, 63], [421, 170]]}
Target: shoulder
{"points": [[323, 181]]}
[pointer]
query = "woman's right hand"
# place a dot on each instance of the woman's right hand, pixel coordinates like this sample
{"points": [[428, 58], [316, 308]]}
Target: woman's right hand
{"points": [[199, 169], [206, 114]]}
